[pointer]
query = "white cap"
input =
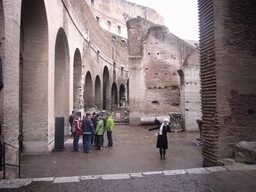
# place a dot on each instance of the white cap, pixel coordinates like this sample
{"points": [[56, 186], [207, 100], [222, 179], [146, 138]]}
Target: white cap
{"points": [[166, 120]]}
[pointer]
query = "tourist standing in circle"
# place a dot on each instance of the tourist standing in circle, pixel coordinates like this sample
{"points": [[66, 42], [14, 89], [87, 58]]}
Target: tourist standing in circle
{"points": [[109, 127], [99, 132], [94, 121], [71, 120], [77, 134], [162, 142], [88, 131]]}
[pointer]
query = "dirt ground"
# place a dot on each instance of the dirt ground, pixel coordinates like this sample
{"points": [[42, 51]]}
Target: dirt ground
{"points": [[134, 151]]}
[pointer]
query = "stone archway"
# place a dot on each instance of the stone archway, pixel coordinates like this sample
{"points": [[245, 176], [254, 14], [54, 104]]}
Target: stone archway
{"points": [[98, 100], [33, 91], [78, 100], [106, 100], [62, 84], [88, 96], [114, 97], [122, 97]]}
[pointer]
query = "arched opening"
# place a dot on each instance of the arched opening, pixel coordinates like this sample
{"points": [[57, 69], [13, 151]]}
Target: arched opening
{"points": [[77, 82], [33, 91], [88, 97], [106, 103], [61, 83], [98, 101], [114, 97], [122, 96]]}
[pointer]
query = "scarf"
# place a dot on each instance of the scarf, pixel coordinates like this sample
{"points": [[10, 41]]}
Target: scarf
{"points": [[161, 129]]}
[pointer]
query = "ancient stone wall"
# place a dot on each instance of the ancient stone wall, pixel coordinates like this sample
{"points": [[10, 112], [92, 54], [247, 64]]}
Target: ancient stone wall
{"points": [[50, 51], [112, 15], [190, 91], [227, 44], [156, 55]]}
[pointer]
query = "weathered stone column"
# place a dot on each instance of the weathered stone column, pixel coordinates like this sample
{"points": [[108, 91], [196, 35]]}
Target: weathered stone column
{"points": [[10, 92]]}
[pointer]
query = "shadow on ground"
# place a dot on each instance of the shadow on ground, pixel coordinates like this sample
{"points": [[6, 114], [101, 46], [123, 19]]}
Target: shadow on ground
{"points": [[134, 151]]}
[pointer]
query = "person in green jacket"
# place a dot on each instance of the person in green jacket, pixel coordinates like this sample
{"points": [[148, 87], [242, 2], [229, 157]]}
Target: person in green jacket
{"points": [[109, 128], [99, 132]]}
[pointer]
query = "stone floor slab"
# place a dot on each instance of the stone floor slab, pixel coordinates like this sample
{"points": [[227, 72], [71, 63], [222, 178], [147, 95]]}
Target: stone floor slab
{"points": [[44, 179], [136, 175], [215, 169], [66, 179], [153, 173], [115, 176], [90, 177], [197, 171], [14, 183], [175, 172]]}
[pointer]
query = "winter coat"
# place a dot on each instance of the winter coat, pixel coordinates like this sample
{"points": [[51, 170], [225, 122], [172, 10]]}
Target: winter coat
{"points": [[71, 119], [78, 127], [110, 124], [162, 141], [100, 127], [87, 125]]}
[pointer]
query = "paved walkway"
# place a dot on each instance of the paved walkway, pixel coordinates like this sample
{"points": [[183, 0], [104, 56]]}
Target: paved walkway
{"points": [[134, 151], [133, 164]]}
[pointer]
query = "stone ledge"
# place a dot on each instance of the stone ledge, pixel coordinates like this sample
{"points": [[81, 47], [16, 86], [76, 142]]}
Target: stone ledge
{"points": [[67, 179], [197, 171], [115, 176], [44, 179], [14, 183], [175, 172], [153, 173], [90, 177]]}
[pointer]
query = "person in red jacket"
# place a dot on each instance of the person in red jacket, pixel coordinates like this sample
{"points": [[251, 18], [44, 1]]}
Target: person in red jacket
{"points": [[78, 133]]}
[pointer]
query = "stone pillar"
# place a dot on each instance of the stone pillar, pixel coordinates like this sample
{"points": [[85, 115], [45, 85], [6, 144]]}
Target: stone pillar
{"points": [[10, 92]]}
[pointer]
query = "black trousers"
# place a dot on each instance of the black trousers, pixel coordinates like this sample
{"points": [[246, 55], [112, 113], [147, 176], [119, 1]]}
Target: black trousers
{"points": [[100, 141]]}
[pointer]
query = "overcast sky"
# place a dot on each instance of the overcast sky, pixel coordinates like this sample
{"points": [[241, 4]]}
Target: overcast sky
{"points": [[180, 16]]}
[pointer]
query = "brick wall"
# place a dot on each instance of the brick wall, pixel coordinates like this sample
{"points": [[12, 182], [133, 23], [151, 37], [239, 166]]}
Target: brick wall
{"points": [[227, 31]]}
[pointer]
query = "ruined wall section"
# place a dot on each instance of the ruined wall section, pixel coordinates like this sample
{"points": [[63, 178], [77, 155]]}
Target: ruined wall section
{"points": [[227, 54], [161, 63], [113, 14], [190, 91], [155, 58]]}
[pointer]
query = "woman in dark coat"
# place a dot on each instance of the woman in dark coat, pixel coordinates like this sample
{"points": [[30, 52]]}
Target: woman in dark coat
{"points": [[162, 142]]}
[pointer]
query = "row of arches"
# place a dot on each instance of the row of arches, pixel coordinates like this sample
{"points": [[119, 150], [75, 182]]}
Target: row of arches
{"points": [[52, 85]]}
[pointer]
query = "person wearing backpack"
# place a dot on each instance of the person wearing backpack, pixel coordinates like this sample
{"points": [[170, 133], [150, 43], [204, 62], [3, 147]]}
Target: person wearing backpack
{"points": [[77, 134]]}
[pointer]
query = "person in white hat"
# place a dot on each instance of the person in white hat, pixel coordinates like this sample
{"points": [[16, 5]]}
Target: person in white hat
{"points": [[162, 142]]}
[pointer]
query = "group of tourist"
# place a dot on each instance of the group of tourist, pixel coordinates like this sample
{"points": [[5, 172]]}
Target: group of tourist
{"points": [[92, 130]]}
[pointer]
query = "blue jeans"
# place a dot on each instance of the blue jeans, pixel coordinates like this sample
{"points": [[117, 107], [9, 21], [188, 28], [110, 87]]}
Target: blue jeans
{"points": [[110, 140], [76, 140], [87, 142]]}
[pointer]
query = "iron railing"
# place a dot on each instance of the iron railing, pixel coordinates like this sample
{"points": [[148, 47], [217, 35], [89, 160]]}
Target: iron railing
{"points": [[3, 160]]}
